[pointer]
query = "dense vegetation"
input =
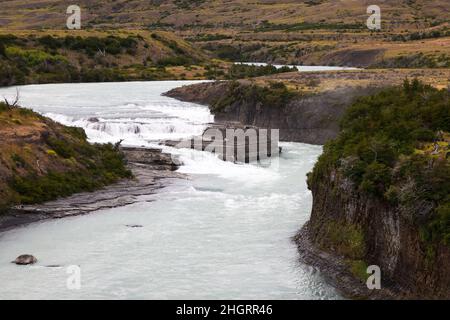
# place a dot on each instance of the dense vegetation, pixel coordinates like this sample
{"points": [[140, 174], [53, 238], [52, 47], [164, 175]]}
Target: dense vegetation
{"points": [[241, 71], [50, 59], [54, 161], [394, 146], [44, 59], [418, 60], [275, 95]]}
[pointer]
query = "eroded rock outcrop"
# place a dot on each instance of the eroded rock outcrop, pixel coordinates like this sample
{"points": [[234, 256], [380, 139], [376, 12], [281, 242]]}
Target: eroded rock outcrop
{"points": [[381, 196], [310, 119], [351, 231]]}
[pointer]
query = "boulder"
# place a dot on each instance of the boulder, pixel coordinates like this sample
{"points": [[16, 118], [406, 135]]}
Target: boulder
{"points": [[25, 259]]}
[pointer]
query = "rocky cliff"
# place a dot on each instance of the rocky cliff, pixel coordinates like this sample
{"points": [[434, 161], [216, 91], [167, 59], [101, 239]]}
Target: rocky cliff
{"points": [[381, 188], [362, 231], [381, 197], [311, 118]]}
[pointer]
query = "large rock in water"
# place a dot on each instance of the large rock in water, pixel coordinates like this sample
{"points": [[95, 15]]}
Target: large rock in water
{"points": [[25, 259]]}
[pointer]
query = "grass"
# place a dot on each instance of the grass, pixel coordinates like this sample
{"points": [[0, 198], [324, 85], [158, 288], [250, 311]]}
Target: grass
{"points": [[345, 239], [57, 161], [310, 32], [61, 57]]}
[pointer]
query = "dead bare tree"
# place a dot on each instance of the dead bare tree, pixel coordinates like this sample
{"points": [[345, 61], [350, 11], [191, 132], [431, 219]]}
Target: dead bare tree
{"points": [[117, 144], [16, 100]]}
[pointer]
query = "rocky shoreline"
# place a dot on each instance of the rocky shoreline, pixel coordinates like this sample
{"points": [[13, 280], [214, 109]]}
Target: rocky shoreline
{"points": [[375, 232], [152, 170], [335, 271], [310, 119]]}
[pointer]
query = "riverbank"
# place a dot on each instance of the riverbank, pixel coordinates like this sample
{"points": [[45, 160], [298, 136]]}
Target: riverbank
{"points": [[152, 170], [335, 270], [369, 211], [306, 107]]}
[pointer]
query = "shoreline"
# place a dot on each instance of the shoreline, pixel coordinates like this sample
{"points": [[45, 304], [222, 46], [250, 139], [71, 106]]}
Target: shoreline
{"points": [[152, 170], [336, 272]]}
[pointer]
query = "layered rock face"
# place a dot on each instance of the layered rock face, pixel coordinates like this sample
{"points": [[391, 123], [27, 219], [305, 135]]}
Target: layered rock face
{"points": [[378, 190], [379, 234], [309, 119]]}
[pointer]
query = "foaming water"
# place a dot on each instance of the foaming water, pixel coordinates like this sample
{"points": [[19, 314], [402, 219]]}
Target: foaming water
{"points": [[223, 234], [133, 111]]}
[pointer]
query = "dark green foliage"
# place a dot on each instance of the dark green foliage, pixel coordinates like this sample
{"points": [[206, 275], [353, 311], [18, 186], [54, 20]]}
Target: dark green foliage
{"points": [[100, 75], [421, 35], [3, 107], [377, 146], [61, 147], [91, 45], [18, 160], [276, 95], [174, 61], [267, 26], [240, 71], [76, 132], [103, 165], [38, 60], [418, 60], [376, 178], [440, 226], [227, 52], [173, 45]]}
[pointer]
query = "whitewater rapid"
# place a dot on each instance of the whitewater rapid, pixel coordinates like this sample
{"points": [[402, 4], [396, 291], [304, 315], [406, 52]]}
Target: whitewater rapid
{"points": [[223, 234]]}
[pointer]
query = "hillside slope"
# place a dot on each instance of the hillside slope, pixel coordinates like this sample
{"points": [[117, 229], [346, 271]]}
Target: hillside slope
{"points": [[321, 32], [226, 13], [42, 57], [42, 160]]}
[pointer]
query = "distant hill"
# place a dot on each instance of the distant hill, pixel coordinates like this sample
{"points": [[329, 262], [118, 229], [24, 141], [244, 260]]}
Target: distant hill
{"points": [[325, 32], [238, 14], [63, 56]]}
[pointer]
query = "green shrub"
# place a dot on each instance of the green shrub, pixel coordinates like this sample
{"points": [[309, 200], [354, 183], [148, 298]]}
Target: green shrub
{"points": [[174, 61], [3, 107], [61, 147], [347, 239], [240, 71], [276, 95], [18, 160], [377, 145]]}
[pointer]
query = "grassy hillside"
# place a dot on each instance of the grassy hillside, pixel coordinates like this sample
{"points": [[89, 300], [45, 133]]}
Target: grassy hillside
{"points": [[42, 57], [415, 33], [306, 83], [42, 160], [239, 14]]}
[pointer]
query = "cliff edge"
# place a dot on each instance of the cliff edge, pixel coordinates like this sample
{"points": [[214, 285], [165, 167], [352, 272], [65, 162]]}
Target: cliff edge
{"points": [[381, 196]]}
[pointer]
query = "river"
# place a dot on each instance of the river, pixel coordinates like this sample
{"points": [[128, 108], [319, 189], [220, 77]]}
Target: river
{"points": [[225, 233]]}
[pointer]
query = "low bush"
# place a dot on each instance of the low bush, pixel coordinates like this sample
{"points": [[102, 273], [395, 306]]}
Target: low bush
{"points": [[382, 148], [276, 95]]}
